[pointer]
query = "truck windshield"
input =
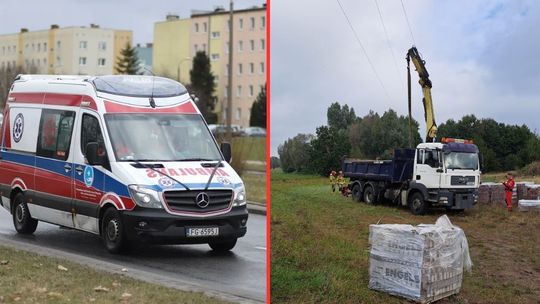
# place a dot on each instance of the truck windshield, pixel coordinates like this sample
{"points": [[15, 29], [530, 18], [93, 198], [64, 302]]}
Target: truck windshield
{"points": [[461, 160], [161, 137]]}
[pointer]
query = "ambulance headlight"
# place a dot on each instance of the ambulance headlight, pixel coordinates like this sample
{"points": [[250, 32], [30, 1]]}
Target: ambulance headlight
{"points": [[239, 197], [145, 197]]}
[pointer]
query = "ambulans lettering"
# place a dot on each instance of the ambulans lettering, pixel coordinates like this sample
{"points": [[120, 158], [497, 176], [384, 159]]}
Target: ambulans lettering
{"points": [[183, 172]]}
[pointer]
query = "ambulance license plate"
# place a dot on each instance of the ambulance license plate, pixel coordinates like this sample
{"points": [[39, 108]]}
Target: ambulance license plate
{"points": [[206, 231]]}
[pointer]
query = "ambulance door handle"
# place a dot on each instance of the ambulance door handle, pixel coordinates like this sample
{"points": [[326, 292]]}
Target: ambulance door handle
{"points": [[67, 168], [79, 170]]}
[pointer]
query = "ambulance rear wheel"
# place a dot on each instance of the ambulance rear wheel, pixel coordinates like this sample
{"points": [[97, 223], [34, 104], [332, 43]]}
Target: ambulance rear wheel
{"points": [[222, 246], [112, 231], [22, 220]]}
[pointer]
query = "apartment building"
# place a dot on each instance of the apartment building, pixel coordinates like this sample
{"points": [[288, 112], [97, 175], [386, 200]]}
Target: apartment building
{"points": [[176, 41], [71, 50]]}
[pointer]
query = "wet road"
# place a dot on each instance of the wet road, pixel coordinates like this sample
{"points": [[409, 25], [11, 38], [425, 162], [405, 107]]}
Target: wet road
{"points": [[239, 275]]}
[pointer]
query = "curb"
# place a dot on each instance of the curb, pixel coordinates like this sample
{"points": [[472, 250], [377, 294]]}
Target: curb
{"points": [[256, 208]]}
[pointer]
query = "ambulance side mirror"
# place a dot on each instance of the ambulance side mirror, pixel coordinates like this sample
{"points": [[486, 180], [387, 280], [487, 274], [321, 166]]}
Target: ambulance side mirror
{"points": [[95, 154], [227, 151]]}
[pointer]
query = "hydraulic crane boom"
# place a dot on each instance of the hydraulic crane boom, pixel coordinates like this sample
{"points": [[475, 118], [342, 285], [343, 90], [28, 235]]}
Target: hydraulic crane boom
{"points": [[425, 83]]}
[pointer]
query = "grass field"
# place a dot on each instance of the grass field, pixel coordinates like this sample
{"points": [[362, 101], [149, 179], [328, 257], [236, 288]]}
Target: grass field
{"points": [[255, 187], [255, 147], [320, 250], [30, 278]]}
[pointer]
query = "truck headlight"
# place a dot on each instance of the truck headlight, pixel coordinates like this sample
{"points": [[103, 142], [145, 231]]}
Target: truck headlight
{"points": [[145, 197], [239, 197]]}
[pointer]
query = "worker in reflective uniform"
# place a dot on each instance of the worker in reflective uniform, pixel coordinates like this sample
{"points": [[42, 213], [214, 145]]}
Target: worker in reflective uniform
{"points": [[341, 181], [333, 180], [508, 189]]}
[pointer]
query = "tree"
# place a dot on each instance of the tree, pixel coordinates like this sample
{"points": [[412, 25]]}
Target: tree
{"points": [[203, 85], [327, 149], [128, 62], [294, 153], [258, 110], [340, 117]]}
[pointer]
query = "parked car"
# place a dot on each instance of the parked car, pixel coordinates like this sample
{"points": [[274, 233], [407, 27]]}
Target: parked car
{"points": [[255, 131]]}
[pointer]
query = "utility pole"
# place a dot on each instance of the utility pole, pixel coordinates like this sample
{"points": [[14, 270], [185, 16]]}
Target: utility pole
{"points": [[230, 72]]}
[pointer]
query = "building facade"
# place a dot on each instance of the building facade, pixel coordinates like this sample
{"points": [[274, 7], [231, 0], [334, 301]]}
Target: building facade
{"points": [[176, 41], [70, 50]]}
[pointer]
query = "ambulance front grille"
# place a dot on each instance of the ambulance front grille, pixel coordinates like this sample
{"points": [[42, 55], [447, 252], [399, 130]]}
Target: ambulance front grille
{"points": [[185, 201]]}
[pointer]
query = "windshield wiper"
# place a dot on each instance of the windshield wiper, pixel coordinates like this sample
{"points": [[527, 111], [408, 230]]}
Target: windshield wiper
{"points": [[165, 174], [212, 175]]}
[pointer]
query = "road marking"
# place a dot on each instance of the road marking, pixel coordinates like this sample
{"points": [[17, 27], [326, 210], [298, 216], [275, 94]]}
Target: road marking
{"points": [[260, 248]]}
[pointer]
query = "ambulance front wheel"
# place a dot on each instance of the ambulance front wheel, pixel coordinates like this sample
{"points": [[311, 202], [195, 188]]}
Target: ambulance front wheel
{"points": [[223, 246], [22, 220], [113, 232]]}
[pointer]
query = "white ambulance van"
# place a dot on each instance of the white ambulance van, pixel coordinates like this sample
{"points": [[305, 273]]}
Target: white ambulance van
{"points": [[129, 158]]}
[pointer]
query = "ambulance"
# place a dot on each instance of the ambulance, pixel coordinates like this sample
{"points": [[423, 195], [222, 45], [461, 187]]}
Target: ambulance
{"points": [[129, 158]]}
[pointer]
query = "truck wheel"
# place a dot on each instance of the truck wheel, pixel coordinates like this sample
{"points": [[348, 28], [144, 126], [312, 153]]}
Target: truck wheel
{"points": [[417, 204], [112, 231], [223, 246], [23, 222], [356, 193], [369, 195]]}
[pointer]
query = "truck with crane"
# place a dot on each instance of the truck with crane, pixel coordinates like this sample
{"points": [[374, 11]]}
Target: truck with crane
{"points": [[444, 174]]}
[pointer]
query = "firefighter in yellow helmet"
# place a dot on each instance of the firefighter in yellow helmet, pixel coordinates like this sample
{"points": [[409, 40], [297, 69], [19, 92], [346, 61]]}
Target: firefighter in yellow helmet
{"points": [[333, 180], [341, 181]]}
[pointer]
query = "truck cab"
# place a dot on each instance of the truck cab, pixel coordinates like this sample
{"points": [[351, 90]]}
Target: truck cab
{"points": [[446, 173]]}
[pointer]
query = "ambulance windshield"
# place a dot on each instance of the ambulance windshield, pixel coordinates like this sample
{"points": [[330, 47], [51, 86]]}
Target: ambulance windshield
{"points": [[161, 137]]}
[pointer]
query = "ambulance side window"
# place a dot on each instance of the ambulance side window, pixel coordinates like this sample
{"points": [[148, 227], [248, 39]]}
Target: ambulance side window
{"points": [[90, 131], [55, 129]]}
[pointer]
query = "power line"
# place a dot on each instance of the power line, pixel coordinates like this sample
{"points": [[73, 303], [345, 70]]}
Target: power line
{"points": [[363, 49], [388, 42], [408, 24]]}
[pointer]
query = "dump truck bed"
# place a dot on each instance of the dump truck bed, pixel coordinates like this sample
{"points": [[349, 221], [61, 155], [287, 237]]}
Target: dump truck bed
{"points": [[396, 170]]}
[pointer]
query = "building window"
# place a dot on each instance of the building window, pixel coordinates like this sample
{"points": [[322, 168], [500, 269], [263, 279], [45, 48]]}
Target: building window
{"points": [[263, 22], [215, 35], [45, 62], [240, 69], [252, 23], [39, 47], [240, 46], [238, 113], [252, 45], [83, 44], [239, 91], [204, 47], [262, 45], [45, 46], [205, 28], [58, 45], [101, 61], [240, 24], [82, 60], [196, 48], [196, 27], [262, 67], [58, 61], [214, 57], [102, 46], [250, 91], [251, 68]]}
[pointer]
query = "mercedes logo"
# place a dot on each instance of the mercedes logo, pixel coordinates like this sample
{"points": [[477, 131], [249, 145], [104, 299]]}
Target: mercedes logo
{"points": [[202, 200]]}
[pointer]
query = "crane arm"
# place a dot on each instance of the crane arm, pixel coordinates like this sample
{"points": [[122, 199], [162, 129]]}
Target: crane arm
{"points": [[425, 83]]}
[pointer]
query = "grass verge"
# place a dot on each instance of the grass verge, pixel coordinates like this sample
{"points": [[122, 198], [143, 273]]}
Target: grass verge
{"points": [[31, 278], [255, 187], [320, 251]]}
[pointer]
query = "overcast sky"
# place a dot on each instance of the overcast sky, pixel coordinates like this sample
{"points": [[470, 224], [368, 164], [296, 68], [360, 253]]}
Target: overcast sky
{"points": [[482, 56], [136, 15]]}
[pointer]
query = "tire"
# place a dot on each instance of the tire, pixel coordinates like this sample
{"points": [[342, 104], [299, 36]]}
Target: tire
{"points": [[222, 246], [369, 195], [417, 204], [112, 232], [23, 222], [356, 193]]}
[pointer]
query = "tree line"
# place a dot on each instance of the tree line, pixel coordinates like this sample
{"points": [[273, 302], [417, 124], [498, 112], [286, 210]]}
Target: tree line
{"points": [[504, 147]]}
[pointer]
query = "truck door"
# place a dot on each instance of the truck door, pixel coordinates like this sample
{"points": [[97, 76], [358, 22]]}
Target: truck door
{"points": [[88, 181], [54, 169], [427, 164]]}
